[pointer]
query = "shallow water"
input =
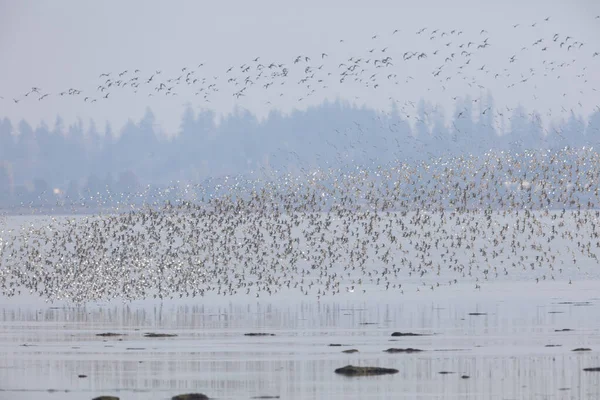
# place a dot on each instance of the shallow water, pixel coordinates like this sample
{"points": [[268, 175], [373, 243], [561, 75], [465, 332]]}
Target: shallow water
{"points": [[43, 348]]}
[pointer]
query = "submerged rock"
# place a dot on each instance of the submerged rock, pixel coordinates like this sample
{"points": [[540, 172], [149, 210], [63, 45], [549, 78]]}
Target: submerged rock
{"points": [[408, 334], [465, 377], [159, 335], [350, 351], [582, 349], [592, 369], [265, 397], [563, 330], [258, 334], [446, 372], [477, 313], [351, 370], [110, 334], [190, 396], [407, 350], [106, 398]]}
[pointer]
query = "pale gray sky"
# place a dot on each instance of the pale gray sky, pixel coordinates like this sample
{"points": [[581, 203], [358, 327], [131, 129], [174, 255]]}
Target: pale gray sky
{"points": [[58, 45]]}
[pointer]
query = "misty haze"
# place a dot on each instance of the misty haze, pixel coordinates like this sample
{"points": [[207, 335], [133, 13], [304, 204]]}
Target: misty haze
{"points": [[299, 200]]}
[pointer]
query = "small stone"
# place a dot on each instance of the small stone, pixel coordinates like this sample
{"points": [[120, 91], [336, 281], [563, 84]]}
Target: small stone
{"points": [[265, 397], [407, 350], [351, 370], [190, 396], [110, 334], [159, 335], [258, 334], [407, 334], [350, 351]]}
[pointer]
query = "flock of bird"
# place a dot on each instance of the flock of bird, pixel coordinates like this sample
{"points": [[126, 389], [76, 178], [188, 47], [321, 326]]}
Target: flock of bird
{"points": [[500, 215], [396, 227], [449, 62]]}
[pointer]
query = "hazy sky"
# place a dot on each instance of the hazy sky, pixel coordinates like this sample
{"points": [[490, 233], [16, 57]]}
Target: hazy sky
{"points": [[62, 45]]}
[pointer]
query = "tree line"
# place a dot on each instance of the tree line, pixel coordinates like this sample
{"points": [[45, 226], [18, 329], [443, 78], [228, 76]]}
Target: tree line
{"points": [[49, 162]]}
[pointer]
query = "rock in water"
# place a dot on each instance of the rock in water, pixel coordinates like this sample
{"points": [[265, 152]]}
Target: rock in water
{"points": [[258, 334], [190, 396], [351, 370], [582, 349], [110, 334], [106, 398], [407, 334], [159, 335], [350, 351], [407, 350], [592, 369]]}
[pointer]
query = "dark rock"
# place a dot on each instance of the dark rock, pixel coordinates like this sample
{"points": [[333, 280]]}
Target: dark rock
{"points": [[258, 334], [82, 376], [576, 303], [106, 398], [335, 344], [477, 313], [407, 334], [556, 312], [407, 350], [464, 377], [351, 370], [190, 396], [350, 351], [368, 323], [553, 345], [159, 335], [110, 334], [582, 349], [135, 348], [563, 330], [265, 397], [592, 369], [446, 372]]}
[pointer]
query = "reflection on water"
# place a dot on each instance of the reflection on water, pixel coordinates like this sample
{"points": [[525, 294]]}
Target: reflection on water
{"points": [[504, 353]]}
